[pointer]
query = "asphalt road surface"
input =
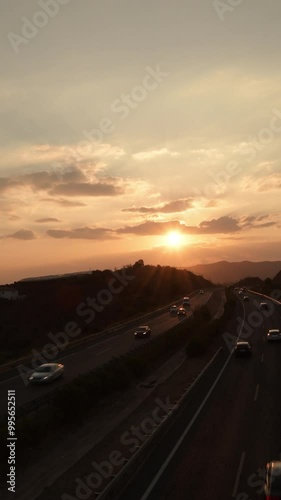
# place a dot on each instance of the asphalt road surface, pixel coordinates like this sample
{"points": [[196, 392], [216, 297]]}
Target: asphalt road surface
{"points": [[229, 427], [89, 356]]}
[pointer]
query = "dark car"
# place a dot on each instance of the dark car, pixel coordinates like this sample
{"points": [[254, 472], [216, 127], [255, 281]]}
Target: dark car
{"points": [[142, 331], [186, 302], [272, 486], [173, 309], [274, 334], [264, 306], [181, 311], [246, 298], [243, 349]]}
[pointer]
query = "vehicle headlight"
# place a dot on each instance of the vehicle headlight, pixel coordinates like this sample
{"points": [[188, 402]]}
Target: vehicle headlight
{"points": [[45, 378]]}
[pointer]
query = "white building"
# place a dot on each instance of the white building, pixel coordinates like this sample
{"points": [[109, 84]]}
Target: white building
{"points": [[9, 293]]}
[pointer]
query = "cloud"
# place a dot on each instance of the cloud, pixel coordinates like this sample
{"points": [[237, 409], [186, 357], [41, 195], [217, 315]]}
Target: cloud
{"points": [[71, 181], [22, 234], [65, 203], [48, 219], [170, 207], [214, 226], [83, 233], [79, 153], [87, 189], [221, 225], [150, 155], [270, 182], [253, 221]]}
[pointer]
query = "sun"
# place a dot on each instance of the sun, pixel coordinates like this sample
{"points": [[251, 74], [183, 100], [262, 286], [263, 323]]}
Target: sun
{"points": [[174, 239]]}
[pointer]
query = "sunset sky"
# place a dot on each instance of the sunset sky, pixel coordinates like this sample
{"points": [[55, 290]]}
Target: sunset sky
{"points": [[125, 121]]}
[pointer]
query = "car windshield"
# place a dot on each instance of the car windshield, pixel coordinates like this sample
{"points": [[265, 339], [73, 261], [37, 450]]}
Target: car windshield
{"points": [[43, 369]]}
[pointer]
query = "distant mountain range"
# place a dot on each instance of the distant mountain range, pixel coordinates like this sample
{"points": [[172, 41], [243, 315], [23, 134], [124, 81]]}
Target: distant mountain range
{"points": [[232, 272]]}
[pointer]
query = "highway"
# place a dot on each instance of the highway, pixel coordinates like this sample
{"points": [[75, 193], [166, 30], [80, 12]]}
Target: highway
{"points": [[88, 356], [228, 428]]}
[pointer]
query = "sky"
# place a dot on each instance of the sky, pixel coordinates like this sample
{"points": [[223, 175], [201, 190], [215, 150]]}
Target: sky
{"points": [[138, 130]]}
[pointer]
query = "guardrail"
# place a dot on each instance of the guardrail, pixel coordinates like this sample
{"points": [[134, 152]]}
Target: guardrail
{"points": [[266, 296], [49, 397], [119, 482], [104, 333]]}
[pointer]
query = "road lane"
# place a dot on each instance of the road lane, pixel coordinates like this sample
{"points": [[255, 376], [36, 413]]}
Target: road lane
{"points": [[92, 356], [238, 431]]}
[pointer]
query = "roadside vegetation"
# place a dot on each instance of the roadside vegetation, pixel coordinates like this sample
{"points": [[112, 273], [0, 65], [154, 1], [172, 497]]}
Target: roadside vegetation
{"points": [[48, 305], [73, 401]]}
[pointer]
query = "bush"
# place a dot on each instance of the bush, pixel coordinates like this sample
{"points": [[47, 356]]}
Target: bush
{"points": [[197, 347]]}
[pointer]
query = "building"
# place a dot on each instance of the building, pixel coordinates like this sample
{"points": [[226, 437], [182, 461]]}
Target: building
{"points": [[9, 293]]}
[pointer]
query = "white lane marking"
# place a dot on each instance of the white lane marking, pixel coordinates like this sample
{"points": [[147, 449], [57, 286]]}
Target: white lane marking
{"points": [[103, 351], [180, 440], [257, 391], [239, 471], [262, 357]]}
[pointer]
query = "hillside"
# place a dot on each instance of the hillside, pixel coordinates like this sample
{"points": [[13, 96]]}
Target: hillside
{"points": [[231, 272], [92, 301]]}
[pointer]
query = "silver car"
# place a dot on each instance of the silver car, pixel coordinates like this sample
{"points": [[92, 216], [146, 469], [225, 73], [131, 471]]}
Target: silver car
{"points": [[46, 373], [273, 335]]}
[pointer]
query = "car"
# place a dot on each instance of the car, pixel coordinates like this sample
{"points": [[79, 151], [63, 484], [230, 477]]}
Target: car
{"points": [[201, 292], [46, 373], [264, 305], [173, 309], [272, 485], [186, 301], [236, 289], [181, 311], [246, 298], [240, 292], [243, 349], [273, 334], [142, 331]]}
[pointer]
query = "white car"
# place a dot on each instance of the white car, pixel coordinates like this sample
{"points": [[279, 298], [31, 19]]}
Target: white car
{"points": [[46, 373], [274, 334]]}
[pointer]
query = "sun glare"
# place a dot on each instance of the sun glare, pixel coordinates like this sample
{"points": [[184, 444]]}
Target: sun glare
{"points": [[174, 239]]}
